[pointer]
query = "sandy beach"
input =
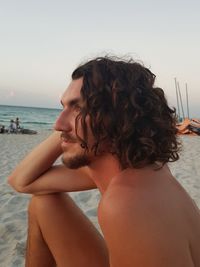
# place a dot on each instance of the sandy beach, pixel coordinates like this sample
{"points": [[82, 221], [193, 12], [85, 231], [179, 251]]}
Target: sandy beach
{"points": [[13, 206]]}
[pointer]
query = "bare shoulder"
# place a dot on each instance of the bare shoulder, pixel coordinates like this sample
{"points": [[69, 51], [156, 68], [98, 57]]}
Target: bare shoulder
{"points": [[130, 195], [139, 228], [126, 204], [129, 229]]}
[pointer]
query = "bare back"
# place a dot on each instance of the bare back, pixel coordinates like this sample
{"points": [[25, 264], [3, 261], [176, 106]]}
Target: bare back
{"points": [[149, 220]]}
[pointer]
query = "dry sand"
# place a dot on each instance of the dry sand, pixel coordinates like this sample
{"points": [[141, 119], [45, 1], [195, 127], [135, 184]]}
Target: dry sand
{"points": [[13, 206]]}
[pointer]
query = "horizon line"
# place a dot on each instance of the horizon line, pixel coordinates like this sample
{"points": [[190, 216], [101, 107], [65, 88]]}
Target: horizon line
{"points": [[7, 105]]}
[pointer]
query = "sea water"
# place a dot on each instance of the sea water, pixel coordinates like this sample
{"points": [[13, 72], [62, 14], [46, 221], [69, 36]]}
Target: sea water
{"points": [[30, 117]]}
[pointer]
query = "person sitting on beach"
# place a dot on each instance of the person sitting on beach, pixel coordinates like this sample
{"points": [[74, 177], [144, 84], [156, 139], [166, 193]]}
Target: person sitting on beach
{"points": [[116, 133], [2, 129], [12, 127]]}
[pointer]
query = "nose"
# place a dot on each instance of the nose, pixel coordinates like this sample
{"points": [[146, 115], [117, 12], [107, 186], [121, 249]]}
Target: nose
{"points": [[63, 122]]}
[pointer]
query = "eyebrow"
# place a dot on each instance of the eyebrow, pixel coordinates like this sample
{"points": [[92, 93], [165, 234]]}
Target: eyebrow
{"points": [[72, 102]]}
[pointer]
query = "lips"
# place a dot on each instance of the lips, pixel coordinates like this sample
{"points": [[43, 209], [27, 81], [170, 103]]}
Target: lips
{"points": [[65, 144], [66, 141]]}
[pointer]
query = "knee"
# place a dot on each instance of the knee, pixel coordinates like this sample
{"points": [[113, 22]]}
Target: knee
{"points": [[42, 203]]}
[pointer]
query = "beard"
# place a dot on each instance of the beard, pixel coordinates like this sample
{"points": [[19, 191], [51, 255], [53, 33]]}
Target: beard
{"points": [[76, 162]]}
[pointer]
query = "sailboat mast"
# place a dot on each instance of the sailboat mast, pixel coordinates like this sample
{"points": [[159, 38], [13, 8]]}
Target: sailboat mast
{"points": [[187, 100], [181, 100], [177, 100]]}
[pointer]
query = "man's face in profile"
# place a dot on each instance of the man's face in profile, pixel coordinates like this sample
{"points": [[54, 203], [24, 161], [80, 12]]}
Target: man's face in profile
{"points": [[74, 152]]}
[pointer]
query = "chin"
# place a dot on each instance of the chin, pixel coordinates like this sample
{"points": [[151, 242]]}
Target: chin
{"points": [[76, 162]]}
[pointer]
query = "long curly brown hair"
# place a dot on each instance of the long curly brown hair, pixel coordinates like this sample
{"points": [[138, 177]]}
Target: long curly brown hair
{"points": [[127, 112]]}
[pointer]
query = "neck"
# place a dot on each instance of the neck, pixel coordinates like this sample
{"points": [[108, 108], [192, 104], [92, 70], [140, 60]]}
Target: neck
{"points": [[103, 169]]}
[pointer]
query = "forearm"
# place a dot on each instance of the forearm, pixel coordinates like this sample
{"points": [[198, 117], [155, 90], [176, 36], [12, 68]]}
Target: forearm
{"points": [[60, 179], [38, 161]]}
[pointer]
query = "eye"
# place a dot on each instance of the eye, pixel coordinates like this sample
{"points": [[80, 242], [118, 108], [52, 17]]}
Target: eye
{"points": [[77, 108]]}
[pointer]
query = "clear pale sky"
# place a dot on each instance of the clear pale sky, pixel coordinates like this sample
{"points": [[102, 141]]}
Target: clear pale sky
{"points": [[43, 41]]}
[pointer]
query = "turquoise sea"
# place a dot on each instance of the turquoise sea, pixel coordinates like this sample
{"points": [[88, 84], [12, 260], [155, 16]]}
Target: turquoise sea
{"points": [[30, 117]]}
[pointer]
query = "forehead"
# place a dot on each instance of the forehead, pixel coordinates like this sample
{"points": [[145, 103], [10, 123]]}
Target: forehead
{"points": [[73, 91]]}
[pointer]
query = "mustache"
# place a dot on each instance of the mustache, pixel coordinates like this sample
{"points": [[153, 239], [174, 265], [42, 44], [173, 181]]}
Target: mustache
{"points": [[68, 137]]}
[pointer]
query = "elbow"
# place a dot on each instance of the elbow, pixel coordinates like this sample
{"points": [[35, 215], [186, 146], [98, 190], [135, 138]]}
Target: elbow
{"points": [[11, 180]]}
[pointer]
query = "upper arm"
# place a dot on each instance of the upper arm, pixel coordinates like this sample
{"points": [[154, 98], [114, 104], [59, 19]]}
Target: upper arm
{"points": [[131, 233], [59, 179]]}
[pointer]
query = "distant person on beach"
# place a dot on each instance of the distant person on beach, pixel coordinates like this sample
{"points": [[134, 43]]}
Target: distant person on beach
{"points": [[12, 127], [17, 123], [116, 133], [2, 129]]}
